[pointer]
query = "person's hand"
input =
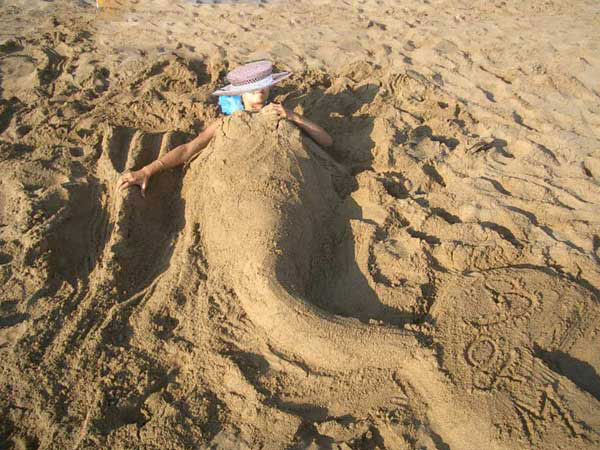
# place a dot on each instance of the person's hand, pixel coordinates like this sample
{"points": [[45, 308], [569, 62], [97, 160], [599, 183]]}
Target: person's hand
{"points": [[277, 111], [139, 177]]}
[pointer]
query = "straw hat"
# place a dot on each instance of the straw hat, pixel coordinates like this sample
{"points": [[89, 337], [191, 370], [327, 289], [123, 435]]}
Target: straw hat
{"points": [[250, 77]]}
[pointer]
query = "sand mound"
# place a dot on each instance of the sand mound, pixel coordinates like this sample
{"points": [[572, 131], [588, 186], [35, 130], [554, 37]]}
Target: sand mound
{"points": [[266, 206], [431, 286]]}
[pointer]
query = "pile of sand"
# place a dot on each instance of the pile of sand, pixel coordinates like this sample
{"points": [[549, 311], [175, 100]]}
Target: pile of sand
{"points": [[420, 285]]}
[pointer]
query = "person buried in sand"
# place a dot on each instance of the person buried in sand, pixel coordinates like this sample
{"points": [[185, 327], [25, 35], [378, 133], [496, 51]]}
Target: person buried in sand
{"points": [[252, 82]]}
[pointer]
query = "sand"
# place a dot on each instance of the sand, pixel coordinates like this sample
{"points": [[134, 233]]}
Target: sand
{"points": [[431, 281]]}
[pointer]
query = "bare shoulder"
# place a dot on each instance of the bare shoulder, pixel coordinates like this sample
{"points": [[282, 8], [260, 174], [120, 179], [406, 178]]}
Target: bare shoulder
{"points": [[205, 136], [210, 129]]}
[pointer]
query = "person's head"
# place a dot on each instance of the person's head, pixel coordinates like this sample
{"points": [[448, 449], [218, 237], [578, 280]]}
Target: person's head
{"points": [[255, 100], [252, 81]]}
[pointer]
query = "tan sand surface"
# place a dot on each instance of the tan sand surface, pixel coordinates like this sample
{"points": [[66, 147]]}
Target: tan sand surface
{"points": [[430, 282]]}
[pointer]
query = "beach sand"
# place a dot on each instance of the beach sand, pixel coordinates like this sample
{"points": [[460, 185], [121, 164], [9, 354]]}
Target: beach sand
{"points": [[432, 281]]}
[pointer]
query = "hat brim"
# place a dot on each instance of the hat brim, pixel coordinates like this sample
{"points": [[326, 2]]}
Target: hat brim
{"points": [[230, 89]]}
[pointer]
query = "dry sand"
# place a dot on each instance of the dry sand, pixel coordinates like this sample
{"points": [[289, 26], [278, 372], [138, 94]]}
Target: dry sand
{"points": [[431, 282]]}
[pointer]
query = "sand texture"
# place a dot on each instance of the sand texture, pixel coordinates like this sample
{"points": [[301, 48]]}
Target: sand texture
{"points": [[432, 281]]}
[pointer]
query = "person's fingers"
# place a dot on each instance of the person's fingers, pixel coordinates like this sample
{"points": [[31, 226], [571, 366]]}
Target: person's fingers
{"points": [[272, 114], [127, 176], [275, 109], [144, 185], [125, 184], [281, 111], [122, 181], [127, 180]]}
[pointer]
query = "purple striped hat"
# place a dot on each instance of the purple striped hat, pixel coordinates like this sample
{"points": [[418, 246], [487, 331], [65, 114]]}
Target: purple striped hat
{"points": [[250, 77]]}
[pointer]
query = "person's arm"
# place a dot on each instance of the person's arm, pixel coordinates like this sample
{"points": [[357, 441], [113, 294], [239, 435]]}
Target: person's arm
{"points": [[320, 136], [175, 157]]}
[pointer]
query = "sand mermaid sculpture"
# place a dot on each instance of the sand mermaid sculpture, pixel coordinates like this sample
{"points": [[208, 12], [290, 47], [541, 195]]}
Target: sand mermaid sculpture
{"points": [[263, 195], [265, 207]]}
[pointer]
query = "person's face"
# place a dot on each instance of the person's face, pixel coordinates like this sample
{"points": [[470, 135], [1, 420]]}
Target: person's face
{"points": [[256, 99]]}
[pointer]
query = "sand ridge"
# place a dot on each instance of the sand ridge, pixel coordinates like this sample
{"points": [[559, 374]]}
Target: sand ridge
{"points": [[444, 293]]}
